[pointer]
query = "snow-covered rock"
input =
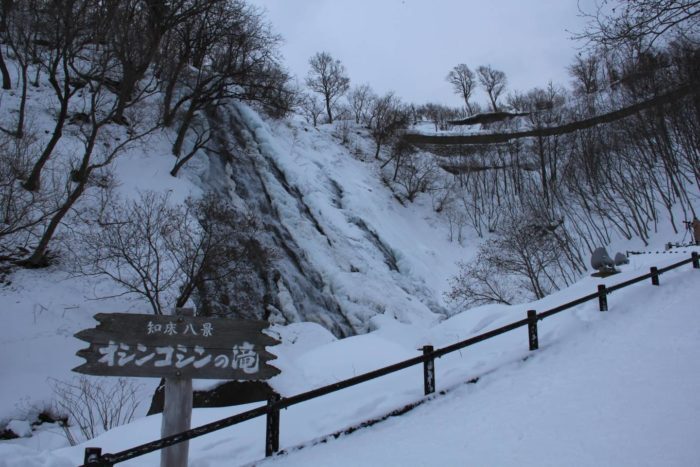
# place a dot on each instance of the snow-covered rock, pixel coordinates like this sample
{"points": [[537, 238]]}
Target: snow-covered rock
{"points": [[21, 428]]}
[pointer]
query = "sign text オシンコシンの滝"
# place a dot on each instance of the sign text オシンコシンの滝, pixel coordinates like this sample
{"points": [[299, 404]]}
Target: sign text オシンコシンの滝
{"points": [[126, 344]]}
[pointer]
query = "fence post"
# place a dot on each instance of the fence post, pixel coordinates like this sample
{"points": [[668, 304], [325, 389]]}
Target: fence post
{"points": [[654, 275], [272, 435], [696, 260], [92, 456], [428, 371], [532, 329], [603, 297]]}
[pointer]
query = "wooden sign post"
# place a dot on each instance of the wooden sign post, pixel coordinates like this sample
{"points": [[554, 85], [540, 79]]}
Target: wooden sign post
{"points": [[178, 348], [177, 412]]}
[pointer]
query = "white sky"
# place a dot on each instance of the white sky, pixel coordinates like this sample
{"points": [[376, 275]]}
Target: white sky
{"points": [[409, 46]]}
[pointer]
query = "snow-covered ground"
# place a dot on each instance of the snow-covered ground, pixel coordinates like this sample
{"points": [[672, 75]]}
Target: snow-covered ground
{"points": [[615, 388], [603, 390]]}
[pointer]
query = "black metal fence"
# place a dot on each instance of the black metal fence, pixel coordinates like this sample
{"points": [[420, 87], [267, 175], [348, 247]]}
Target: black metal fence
{"points": [[95, 458]]}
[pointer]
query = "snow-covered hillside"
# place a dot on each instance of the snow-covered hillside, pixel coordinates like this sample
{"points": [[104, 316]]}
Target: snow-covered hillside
{"points": [[157, 156], [354, 260], [346, 250], [350, 260], [605, 389], [615, 388]]}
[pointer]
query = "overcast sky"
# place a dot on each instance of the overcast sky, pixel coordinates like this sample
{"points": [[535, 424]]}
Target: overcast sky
{"points": [[409, 46]]}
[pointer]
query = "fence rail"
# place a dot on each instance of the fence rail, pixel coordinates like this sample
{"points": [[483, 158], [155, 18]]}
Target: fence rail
{"points": [[95, 458]]}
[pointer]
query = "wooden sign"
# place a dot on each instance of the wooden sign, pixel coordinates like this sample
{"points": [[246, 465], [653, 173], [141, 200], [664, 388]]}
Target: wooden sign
{"points": [[125, 344]]}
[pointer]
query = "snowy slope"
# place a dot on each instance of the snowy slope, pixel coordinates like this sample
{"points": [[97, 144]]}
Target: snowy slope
{"points": [[620, 390], [352, 260], [348, 250], [41, 309], [374, 256], [615, 388]]}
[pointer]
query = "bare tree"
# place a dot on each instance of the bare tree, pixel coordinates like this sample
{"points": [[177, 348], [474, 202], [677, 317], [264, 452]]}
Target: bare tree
{"points": [[434, 113], [494, 83], [227, 51], [456, 219], [526, 255], [641, 22], [163, 252], [20, 32], [586, 74], [312, 108], [439, 115], [463, 81], [480, 283], [63, 26], [202, 137], [415, 174], [100, 108], [360, 98], [22, 212], [136, 41], [127, 244], [327, 77], [387, 116], [95, 405], [544, 109]]}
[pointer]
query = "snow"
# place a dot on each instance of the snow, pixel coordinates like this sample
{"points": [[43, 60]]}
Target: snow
{"points": [[42, 309], [349, 201], [21, 428], [616, 388], [618, 391]]}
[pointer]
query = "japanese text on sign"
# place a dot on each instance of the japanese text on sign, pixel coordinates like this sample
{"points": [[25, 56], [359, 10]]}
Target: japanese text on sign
{"points": [[241, 357], [171, 328]]}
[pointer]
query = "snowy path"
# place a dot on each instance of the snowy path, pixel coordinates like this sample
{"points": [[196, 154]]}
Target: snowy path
{"points": [[622, 392]]}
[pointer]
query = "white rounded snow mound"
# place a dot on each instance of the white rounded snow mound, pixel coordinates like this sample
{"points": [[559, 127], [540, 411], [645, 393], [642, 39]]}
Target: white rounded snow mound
{"points": [[12, 455]]}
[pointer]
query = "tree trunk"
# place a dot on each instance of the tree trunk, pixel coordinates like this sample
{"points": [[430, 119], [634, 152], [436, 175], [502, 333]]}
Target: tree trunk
{"points": [[131, 74], [543, 170], [33, 183], [184, 126], [468, 106], [126, 90], [38, 258], [397, 166], [493, 103], [328, 109], [168, 114], [182, 161], [6, 81], [63, 92], [168, 111], [19, 133]]}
